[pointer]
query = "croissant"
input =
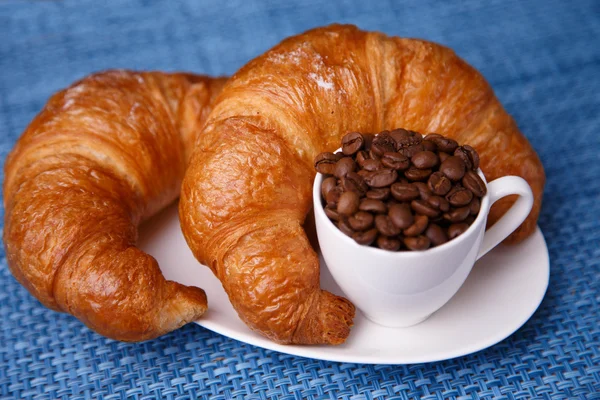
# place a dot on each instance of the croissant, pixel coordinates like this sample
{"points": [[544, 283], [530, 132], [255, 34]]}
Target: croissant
{"points": [[102, 156], [247, 190]]}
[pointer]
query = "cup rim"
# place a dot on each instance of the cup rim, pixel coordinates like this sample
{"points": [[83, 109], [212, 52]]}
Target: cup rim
{"points": [[320, 213]]}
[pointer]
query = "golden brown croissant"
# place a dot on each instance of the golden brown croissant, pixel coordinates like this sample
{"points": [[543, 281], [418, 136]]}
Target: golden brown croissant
{"points": [[247, 190], [103, 155]]}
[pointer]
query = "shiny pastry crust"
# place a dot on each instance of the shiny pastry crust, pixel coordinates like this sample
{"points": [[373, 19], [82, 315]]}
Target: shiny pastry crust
{"points": [[102, 156], [247, 191]]}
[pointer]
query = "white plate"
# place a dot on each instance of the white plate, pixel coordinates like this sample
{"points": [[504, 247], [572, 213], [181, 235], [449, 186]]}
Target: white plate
{"points": [[499, 296]]}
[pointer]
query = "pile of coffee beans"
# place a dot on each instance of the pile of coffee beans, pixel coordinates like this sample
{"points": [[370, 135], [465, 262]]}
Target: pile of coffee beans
{"points": [[398, 190]]}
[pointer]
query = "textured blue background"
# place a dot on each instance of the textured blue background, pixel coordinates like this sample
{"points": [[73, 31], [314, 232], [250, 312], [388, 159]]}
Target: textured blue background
{"points": [[542, 58]]}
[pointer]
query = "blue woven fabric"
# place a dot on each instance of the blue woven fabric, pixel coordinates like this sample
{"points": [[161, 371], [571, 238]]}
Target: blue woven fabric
{"points": [[541, 56]]}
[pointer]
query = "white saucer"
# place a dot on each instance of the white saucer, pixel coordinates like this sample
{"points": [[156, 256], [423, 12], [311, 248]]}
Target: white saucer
{"points": [[499, 296]]}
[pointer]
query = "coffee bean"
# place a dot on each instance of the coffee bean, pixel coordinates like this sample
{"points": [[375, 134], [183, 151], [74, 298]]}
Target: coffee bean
{"points": [[443, 143], [453, 167], [361, 157], [331, 213], [410, 151], [439, 203], [474, 206], [388, 243], [425, 160], [395, 161], [443, 156], [416, 174], [383, 143], [384, 224], [325, 163], [432, 135], [404, 191], [457, 214], [351, 143], [353, 182], [439, 184], [424, 208], [368, 141], [401, 215], [343, 166], [383, 177], [327, 185], [424, 192], [371, 205], [345, 227], [372, 165], [378, 194], [436, 234], [365, 238], [459, 196], [469, 156], [399, 134], [455, 230], [417, 242], [348, 203], [418, 227], [428, 145], [469, 220], [474, 183], [361, 221], [405, 139], [333, 196]]}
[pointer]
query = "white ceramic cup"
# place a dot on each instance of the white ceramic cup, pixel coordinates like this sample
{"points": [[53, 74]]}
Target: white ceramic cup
{"points": [[400, 289]]}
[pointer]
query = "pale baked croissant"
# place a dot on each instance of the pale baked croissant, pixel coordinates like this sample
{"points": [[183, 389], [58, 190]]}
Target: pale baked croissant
{"points": [[247, 190], [103, 155]]}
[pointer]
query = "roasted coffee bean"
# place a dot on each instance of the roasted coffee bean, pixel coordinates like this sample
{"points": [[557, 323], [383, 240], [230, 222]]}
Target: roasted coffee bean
{"points": [[383, 143], [469, 156], [364, 173], [469, 220], [365, 238], [425, 160], [333, 196], [372, 165], [432, 135], [371, 205], [416, 174], [439, 203], [332, 213], [383, 177], [439, 184], [407, 139], [327, 185], [474, 183], [424, 192], [410, 151], [384, 224], [378, 194], [455, 230], [475, 205], [424, 208], [388, 243], [404, 191], [436, 234], [353, 182], [457, 214], [401, 215], [361, 157], [443, 156], [428, 145], [361, 221], [417, 242], [395, 161], [418, 226], [345, 227], [351, 143], [343, 166], [325, 163], [453, 167], [459, 196], [399, 134], [368, 141], [443, 143], [348, 203]]}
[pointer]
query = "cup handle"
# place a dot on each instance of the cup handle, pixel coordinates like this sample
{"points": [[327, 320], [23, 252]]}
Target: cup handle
{"points": [[510, 221]]}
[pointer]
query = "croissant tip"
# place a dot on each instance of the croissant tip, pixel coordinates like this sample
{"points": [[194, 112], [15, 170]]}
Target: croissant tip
{"points": [[338, 315]]}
